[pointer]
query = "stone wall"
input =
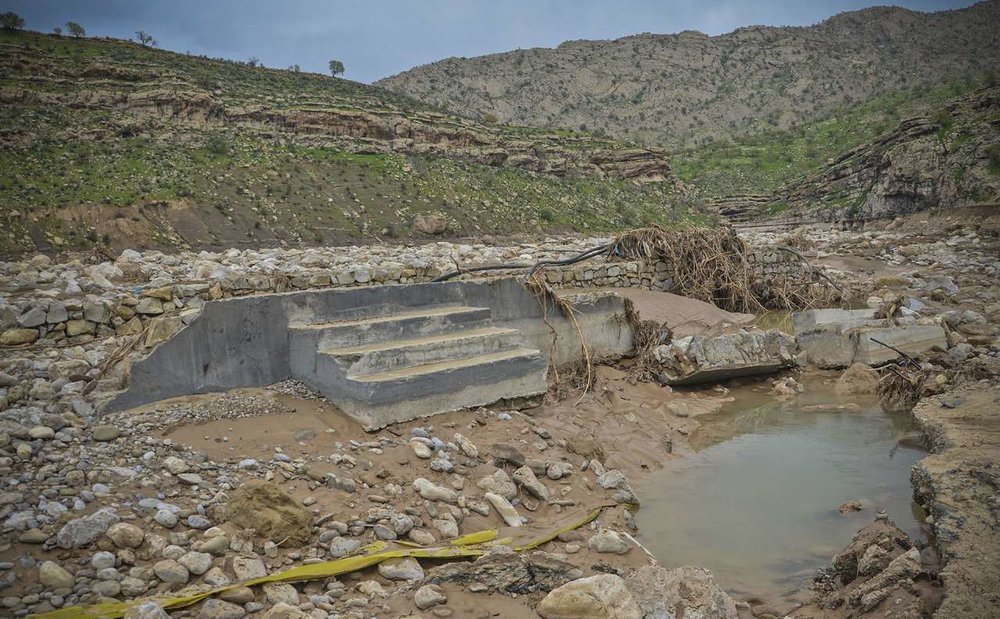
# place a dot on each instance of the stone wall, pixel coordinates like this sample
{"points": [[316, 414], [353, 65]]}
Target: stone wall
{"points": [[78, 304]]}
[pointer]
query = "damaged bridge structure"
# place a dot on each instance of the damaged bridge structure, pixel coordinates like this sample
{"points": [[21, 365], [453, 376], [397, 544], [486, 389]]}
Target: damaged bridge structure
{"points": [[388, 353]]}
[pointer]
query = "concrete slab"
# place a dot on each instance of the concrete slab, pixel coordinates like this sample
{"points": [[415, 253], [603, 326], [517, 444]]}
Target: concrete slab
{"points": [[833, 338], [832, 320], [911, 339], [699, 359]]}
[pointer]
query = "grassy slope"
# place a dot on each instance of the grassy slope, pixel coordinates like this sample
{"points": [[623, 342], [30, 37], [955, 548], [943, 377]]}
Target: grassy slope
{"points": [[255, 190], [760, 164]]}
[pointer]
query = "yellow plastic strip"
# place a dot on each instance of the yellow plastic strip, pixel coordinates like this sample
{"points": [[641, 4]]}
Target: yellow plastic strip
{"points": [[470, 545]]}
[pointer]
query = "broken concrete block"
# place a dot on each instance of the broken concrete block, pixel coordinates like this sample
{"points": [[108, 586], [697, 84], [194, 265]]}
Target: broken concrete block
{"points": [[834, 338], [833, 319], [697, 359], [911, 339]]}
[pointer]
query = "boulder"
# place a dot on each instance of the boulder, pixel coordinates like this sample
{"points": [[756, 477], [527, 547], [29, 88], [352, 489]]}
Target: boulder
{"points": [[603, 596], [271, 512], [688, 592], [859, 378]]}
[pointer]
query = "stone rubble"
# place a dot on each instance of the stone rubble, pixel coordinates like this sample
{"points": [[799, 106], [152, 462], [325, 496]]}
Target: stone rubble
{"points": [[97, 506]]}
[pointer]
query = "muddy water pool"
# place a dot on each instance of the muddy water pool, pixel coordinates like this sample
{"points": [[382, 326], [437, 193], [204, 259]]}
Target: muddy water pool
{"points": [[757, 503]]}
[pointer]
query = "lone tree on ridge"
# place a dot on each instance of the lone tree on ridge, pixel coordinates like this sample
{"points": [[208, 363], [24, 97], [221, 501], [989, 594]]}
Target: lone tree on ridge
{"points": [[336, 67], [145, 39], [11, 21], [75, 30]]}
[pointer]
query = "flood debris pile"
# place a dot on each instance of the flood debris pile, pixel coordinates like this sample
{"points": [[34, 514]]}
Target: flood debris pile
{"points": [[719, 267]]}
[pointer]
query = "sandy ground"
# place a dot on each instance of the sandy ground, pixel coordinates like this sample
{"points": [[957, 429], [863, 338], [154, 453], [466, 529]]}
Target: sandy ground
{"points": [[627, 425], [683, 315]]}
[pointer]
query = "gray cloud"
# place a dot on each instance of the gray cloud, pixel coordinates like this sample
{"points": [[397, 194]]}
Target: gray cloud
{"points": [[377, 38]]}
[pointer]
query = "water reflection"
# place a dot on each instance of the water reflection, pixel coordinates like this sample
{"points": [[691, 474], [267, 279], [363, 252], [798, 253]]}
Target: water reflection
{"points": [[757, 504]]}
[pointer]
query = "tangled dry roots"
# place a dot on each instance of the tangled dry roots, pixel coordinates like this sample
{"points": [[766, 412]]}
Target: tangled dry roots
{"points": [[716, 266], [569, 377], [900, 388]]}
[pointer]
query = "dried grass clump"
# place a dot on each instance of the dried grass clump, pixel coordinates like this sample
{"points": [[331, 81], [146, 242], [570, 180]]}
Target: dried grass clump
{"points": [[900, 388], [646, 335], [570, 377]]}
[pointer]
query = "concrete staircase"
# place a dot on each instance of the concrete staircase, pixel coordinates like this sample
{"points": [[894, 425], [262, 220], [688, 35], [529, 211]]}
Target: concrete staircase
{"points": [[385, 364]]}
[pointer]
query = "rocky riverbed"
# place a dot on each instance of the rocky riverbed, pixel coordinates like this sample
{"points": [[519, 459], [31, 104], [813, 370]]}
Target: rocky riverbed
{"points": [[211, 490]]}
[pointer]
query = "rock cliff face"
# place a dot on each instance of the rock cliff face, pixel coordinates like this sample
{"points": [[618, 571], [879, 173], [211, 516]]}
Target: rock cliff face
{"points": [[683, 89], [948, 158]]}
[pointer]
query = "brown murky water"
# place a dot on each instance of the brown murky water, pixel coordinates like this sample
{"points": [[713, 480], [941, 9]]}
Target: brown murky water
{"points": [[758, 501]]}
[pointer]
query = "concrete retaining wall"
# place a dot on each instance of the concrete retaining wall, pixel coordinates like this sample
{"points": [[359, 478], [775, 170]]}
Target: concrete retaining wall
{"points": [[244, 341]]}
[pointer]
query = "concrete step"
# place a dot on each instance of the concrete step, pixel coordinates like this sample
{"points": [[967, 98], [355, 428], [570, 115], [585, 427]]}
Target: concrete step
{"points": [[448, 366], [409, 324], [382, 398], [394, 354]]}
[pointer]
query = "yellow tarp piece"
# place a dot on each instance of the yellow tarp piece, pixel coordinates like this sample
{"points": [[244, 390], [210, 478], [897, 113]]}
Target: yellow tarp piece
{"points": [[470, 545]]}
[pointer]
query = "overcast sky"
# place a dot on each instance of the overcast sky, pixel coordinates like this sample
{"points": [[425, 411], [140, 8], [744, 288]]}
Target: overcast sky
{"points": [[378, 38]]}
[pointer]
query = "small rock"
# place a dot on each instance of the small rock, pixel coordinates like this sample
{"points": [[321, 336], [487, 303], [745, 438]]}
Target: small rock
{"points": [[421, 450], [344, 546], [54, 576], [105, 433], [406, 568], [196, 562], [219, 609], [526, 478], [433, 492], [171, 572], [125, 535], [608, 541], [42, 432], [429, 596], [505, 509]]}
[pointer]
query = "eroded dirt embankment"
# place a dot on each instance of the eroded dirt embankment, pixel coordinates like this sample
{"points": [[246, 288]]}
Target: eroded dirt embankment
{"points": [[959, 484]]}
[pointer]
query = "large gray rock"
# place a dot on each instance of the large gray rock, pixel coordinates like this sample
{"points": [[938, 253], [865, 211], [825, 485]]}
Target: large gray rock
{"points": [[684, 592], [603, 596], [83, 531]]}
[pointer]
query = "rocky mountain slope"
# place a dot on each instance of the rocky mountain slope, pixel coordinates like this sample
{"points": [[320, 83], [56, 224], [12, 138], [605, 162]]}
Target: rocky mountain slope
{"points": [[946, 157], [687, 89], [107, 141]]}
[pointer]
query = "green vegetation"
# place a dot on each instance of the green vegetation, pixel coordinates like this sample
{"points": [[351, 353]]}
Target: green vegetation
{"points": [[11, 21], [150, 166], [763, 163], [313, 194]]}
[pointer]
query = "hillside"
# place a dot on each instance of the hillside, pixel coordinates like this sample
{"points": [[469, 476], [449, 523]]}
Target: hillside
{"points": [[687, 89], [948, 156], [761, 164], [108, 142]]}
